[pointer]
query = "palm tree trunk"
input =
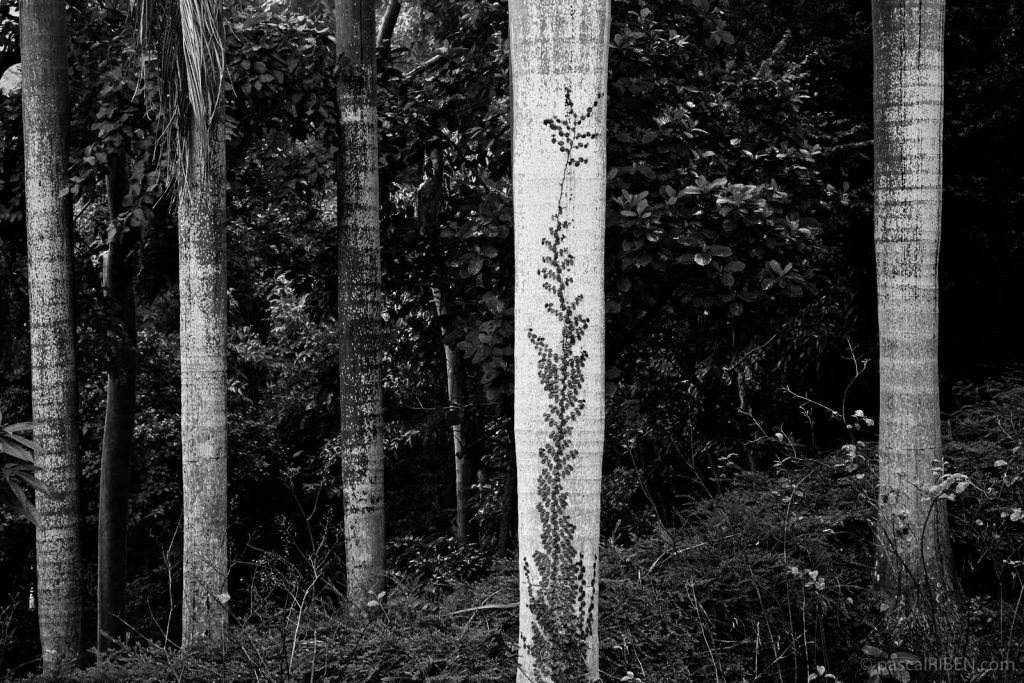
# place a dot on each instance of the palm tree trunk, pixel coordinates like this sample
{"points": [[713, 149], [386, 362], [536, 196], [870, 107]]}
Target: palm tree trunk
{"points": [[45, 104], [359, 303], [119, 425], [914, 568], [559, 58], [203, 291]]}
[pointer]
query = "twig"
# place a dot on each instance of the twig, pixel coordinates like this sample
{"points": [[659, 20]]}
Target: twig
{"points": [[672, 553], [505, 605]]}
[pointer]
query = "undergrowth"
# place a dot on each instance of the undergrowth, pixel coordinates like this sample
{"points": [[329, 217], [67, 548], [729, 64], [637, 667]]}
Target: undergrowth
{"points": [[769, 580], [760, 582]]}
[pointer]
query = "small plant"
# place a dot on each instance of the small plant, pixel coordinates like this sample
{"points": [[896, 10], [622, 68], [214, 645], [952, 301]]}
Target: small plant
{"points": [[19, 475], [821, 675]]}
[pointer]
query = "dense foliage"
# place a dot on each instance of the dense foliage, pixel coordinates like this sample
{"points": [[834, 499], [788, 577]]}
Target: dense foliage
{"points": [[739, 280]]}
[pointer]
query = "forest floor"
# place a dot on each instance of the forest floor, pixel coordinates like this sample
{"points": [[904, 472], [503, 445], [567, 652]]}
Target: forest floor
{"points": [[769, 580]]}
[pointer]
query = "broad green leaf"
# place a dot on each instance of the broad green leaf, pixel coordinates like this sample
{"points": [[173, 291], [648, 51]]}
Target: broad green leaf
{"points": [[19, 427], [8, 446], [27, 443], [33, 482], [20, 501]]}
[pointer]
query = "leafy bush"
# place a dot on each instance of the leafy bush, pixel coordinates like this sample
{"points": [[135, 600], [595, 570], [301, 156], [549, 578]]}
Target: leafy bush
{"points": [[442, 561], [987, 516]]}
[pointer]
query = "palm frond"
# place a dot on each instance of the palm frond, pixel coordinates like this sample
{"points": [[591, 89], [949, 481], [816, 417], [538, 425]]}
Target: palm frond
{"points": [[182, 41], [203, 49]]}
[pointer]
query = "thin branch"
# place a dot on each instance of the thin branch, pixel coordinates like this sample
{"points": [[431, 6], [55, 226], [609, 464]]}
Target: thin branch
{"points": [[427, 65], [504, 605]]}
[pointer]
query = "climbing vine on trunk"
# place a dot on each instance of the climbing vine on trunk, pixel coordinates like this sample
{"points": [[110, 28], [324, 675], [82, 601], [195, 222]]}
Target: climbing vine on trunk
{"points": [[564, 614]]}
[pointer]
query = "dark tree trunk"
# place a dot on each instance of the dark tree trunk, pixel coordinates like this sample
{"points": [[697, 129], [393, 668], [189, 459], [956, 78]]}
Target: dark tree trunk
{"points": [[507, 524], [387, 28], [467, 461], [119, 425]]}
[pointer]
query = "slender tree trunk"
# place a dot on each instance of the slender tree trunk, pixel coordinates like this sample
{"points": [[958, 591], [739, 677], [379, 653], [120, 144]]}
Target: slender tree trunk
{"points": [[559, 63], [45, 104], [914, 568], [359, 303], [508, 539], [387, 28], [467, 464], [507, 522], [203, 291], [119, 425]]}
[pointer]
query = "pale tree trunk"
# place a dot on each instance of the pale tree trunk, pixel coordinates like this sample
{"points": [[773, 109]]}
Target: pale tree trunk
{"points": [[359, 303], [559, 52], [914, 568], [45, 104], [119, 425], [202, 284]]}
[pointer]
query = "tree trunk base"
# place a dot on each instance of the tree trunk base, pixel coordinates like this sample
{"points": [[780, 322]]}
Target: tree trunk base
{"points": [[932, 629]]}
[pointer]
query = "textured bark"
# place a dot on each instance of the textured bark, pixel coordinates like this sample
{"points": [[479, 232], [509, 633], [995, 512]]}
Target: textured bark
{"points": [[54, 401], [119, 424], [914, 568], [559, 58], [202, 285], [359, 303]]}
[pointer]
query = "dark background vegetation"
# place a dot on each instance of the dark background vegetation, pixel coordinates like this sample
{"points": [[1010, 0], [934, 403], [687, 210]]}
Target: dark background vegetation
{"points": [[740, 314]]}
